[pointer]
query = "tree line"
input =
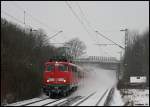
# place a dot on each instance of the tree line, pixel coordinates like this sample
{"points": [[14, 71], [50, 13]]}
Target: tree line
{"points": [[23, 54], [136, 58]]}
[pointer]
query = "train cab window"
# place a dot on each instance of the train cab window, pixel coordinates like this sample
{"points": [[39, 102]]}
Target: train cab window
{"points": [[63, 68], [50, 68]]}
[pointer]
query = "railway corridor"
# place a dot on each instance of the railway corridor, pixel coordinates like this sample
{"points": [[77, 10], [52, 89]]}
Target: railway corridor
{"points": [[92, 99], [97, 89]]}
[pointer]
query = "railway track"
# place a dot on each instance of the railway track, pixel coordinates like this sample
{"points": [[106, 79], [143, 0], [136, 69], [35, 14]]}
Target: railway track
{"points": [[67, 102], [104, 99], [84, 99]]}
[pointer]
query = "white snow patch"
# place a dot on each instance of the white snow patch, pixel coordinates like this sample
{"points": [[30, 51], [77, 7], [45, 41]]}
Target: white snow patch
{"points": [[139, 97], [23, 102], [116, 99], [40, 103]]}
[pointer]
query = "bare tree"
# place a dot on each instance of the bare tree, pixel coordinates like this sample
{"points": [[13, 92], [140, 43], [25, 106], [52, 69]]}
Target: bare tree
{"points": [[137, 56], [74, 47]]}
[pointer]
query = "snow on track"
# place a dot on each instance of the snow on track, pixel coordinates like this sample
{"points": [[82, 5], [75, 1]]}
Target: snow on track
{"points": [[103, 99], [41, 103], [59, 101], [20, 103], [82, 100], [95, 99], [69, 101]]}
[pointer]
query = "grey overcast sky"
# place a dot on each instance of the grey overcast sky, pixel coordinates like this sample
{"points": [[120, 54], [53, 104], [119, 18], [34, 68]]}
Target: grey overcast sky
{"points": [[108, 17]]}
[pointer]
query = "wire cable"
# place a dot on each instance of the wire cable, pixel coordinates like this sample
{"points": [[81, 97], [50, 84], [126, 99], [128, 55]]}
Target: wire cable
{"points": [[81, 22], [87, 22], [93, 29], [6, 13], [35, 19]]}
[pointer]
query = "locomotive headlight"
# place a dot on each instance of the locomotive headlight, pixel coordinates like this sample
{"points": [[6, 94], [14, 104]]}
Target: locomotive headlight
{"points": [[50, 79], [64, 80]]}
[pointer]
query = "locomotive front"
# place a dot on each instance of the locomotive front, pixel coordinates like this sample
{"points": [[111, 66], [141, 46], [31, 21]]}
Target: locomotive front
{"points": [[57, 78]]}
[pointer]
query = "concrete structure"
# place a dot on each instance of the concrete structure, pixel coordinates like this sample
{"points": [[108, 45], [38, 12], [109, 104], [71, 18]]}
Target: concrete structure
{"points": [[104, 62]]}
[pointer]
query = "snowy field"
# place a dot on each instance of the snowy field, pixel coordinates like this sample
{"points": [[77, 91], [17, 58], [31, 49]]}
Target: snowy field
{"points": [[136, 97]]}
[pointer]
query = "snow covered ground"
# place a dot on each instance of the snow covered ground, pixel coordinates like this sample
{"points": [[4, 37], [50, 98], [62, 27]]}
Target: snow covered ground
{"points": [[116, 99], [23, 102], [136, 97], [99, 80]]}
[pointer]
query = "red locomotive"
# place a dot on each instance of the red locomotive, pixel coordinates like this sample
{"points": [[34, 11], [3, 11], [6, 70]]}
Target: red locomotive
{"points": [[61, 77]]}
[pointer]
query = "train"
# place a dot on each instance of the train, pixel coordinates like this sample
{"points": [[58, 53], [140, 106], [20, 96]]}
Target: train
{"points": [[61, 77]]}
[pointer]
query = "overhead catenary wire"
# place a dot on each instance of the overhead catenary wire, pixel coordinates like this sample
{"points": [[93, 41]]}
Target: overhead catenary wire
{"points": [[83, 15], [23, 22], [29, 14], [35, 19], [53, 36], [74, 13], [109, 39], [16, 19], [90, 26], [6, 13], [20, 8], [41, 23], [96, 31], [16, 5]]}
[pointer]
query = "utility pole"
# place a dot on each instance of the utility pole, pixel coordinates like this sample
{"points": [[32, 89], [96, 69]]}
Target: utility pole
{"points": [[126, 47], [24, 22], [24, 17], [126, 38], [126, 43]]}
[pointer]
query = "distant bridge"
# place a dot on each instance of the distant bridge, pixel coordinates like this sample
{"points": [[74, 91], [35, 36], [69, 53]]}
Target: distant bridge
{"points": [[104, 62], [99, 59]]}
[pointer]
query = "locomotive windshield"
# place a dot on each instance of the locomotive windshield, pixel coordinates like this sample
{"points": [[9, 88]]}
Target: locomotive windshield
{"points": [[63, 68], [50, 68]]}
